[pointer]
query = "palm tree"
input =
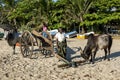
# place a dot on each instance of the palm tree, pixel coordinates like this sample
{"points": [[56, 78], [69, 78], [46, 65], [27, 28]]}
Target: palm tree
{"points": [[79, 8]]}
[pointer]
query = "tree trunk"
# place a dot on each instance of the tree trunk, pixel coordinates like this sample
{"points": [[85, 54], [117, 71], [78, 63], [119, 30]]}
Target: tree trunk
{"points": [[83, 29]]}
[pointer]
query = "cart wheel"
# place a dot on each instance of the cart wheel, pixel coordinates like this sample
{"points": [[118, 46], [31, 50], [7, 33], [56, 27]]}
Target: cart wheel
{"points": [[47, 52], [27, 44]]}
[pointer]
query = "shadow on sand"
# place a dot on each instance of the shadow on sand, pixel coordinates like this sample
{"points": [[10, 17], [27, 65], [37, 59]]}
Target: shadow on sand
{"points": [[112, 56], [72, 51], [99, 59]]}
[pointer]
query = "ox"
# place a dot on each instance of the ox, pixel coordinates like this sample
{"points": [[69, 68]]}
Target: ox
{"points": [[94, 43], [12, 38]]}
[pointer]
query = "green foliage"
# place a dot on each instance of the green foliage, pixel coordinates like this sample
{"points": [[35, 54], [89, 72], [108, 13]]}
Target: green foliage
{"points": [[104, 11], [68, 14], [57, 15], [24, 28]]}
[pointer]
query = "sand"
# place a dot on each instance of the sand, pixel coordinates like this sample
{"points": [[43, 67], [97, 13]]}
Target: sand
{"points": [[16, 67]]}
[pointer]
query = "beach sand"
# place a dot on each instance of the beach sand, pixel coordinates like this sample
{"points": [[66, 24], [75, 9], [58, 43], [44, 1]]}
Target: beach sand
{"points": [[16, 67]]}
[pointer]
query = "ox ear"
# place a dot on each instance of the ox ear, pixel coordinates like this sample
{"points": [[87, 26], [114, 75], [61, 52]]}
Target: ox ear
{"points": [[81, 51]]}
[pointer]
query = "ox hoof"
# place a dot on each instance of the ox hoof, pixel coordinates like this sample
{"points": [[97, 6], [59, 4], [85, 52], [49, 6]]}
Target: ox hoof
{"points": [[92, 62], [108, 59], [14, 53]]}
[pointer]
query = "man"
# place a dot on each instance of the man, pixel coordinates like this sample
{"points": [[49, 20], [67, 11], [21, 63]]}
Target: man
{"points": [[61, 42]]}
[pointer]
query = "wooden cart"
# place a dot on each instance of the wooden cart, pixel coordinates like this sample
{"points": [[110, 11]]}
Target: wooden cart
{"points": [[34, 41], [46, 45]]}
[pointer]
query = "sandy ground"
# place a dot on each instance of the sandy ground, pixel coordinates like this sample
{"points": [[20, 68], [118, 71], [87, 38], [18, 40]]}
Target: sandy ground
{"points": [[15, 67]]}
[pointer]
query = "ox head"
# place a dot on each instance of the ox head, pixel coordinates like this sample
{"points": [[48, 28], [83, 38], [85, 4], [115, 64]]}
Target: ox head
{"points": [[85, 53], [9, 35]]}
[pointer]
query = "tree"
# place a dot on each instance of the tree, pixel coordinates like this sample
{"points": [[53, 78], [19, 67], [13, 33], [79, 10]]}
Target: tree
{"points": [[79, 8], [63, 13], [6, 7], [56, 17], [31, 12], [103, 12]]}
